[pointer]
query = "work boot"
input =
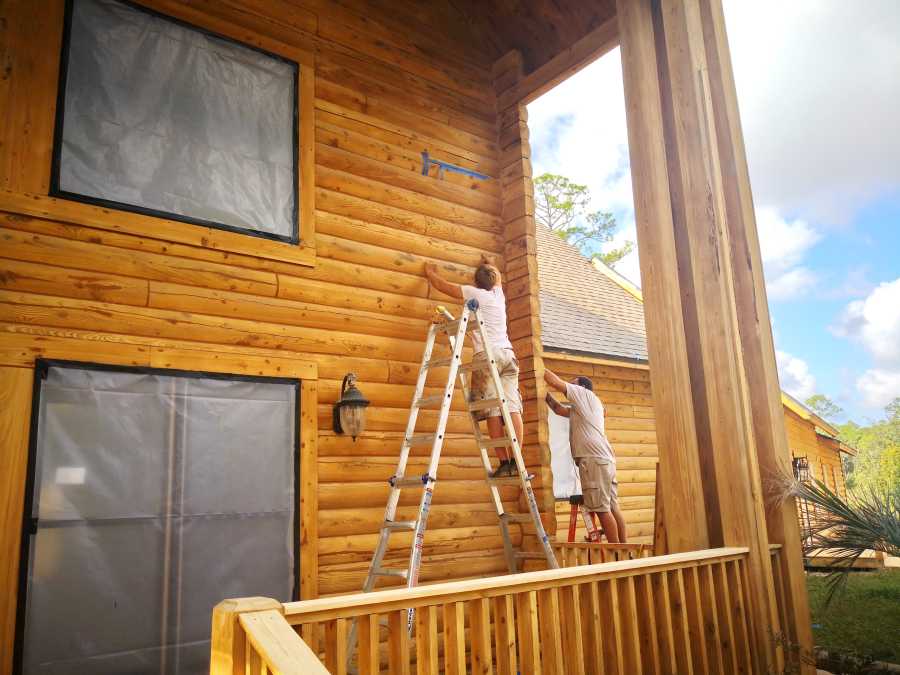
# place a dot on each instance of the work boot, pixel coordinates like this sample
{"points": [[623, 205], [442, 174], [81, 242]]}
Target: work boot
{"points": [[502, 471]]}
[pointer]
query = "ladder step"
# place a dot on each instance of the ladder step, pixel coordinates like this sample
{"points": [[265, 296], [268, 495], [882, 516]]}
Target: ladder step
{"points": [[399, 525], [480, 363], [484, 405], [384, 572], [422, 439], [415, 481], [430, 400], [487, 442], [517, 517], [438, 363]]}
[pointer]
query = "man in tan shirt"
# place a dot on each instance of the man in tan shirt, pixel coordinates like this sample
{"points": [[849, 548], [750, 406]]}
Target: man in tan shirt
{"points": [[591, 451]]}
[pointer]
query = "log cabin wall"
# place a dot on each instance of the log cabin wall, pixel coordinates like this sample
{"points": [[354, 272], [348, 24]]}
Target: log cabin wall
{"points": [[90, 283]]}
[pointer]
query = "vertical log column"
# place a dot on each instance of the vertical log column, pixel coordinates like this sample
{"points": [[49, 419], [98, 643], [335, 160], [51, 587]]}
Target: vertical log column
{"points": [[521, 281], [767, 412], [682, 168]]}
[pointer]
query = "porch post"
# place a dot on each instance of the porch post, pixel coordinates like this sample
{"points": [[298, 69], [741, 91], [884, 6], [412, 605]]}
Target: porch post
{"points": [[683, 171], [767, 411]]}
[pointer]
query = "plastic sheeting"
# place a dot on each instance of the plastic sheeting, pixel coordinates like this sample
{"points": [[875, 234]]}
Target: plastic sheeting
{"points": [[164, 117], [565, 474], [155, 497]]}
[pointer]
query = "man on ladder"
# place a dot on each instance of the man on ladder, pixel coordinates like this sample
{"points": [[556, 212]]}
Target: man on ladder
{"points": [[488, 292]]}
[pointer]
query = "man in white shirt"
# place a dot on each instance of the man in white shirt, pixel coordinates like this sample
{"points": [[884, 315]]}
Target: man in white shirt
{"points": [[591, 451], [492, 309]]}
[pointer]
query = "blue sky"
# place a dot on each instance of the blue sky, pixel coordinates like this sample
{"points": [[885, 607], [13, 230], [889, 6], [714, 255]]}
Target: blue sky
{"points": [[820, 108]]}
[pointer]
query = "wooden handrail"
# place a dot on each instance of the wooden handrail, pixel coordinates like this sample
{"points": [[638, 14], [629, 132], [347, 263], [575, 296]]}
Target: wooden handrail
{"points": [[278, 646], [359, 604]]}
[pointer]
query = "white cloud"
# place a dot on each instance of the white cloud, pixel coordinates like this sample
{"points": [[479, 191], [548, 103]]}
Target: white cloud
{"points": [[791, 284], [874, 322], [794, 375], [783, 242], [818, 99]]}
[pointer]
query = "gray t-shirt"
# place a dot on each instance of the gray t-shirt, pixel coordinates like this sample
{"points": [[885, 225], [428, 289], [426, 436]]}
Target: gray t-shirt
{"points": [[587, 428]]}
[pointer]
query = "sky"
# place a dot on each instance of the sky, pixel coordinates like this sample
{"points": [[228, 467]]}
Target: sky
{"points": [[818, 84]]}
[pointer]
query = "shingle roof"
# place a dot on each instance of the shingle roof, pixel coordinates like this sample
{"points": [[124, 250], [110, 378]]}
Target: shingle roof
{"points": [[582, 309]]}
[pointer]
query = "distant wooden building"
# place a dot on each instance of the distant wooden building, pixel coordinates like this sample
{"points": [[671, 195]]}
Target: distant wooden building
{"points": [[211, 211]]}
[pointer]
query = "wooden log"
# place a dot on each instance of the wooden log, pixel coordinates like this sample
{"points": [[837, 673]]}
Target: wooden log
{"points": [[353, 495], [38, 278]]}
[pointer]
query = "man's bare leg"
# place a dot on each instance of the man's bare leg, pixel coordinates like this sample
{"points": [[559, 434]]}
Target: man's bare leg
{"points": [[610, 528], [620, 523], [495, 430]]}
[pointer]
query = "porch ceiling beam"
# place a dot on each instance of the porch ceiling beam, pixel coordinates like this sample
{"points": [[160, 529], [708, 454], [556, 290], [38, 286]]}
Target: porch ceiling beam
{"points": [[588, 49]]}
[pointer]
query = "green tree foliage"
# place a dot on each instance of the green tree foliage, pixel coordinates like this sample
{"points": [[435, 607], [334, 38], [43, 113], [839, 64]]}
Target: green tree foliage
{"points": [[562, 205], [877, 466], [824, 407]]}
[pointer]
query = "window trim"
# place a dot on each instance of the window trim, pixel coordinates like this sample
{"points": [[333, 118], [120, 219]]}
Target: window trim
{"points": [[113, 216], [41, 366]]}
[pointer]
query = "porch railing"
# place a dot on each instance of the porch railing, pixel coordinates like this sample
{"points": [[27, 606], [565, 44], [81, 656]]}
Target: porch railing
{"points": [[675, 613], [569, 554]]}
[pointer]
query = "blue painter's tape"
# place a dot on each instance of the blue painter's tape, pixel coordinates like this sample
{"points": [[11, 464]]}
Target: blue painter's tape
{"points": [[428, 162]]}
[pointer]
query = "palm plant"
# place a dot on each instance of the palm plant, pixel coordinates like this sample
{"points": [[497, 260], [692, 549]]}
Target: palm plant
{"points": [[869, 521]]}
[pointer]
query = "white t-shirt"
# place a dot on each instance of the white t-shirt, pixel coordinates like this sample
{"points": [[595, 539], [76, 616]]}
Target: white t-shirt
{"points": [[492, 309], [587, 428]]}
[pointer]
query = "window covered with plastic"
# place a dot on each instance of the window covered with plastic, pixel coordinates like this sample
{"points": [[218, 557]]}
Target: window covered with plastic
{"points": [[163, 118], [155, 497]]}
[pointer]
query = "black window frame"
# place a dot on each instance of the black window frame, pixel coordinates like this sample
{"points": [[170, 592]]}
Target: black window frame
{"points": [[29, 524], [56, 158]]}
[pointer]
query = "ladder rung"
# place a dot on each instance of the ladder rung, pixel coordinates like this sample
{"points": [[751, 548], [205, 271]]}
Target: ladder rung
{"points": [[487, 442], [517, 517], [485, 404], [423, 439], [415, 481], [430, 400], [399, 525], [475, 364], [384, 572], [439, 363], [505, 480]]}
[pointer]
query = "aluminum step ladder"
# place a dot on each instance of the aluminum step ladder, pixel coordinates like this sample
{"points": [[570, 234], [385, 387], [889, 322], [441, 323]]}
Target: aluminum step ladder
{"points": [[455, 330]]}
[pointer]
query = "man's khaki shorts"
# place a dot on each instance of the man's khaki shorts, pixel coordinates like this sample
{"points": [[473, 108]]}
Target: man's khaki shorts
{"points": [[483, 385], [598, 484]]}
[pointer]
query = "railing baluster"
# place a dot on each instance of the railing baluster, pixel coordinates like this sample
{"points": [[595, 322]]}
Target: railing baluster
{"points": [[630, 636], [695, 620], [592, 627], [426, 641], [505, 635], [551, 636], [527, 632], [742, 632], [613, 657], [649, 635], [572, 640], [680, 622], [398, 643], [710, 619], [454, 639], [480, 632], [726, 619], [662, 609], [369, 655], [336, 646]]}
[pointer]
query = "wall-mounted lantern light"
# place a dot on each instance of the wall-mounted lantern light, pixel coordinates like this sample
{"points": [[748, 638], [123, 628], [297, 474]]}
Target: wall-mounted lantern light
{"points": [[349, 415]]}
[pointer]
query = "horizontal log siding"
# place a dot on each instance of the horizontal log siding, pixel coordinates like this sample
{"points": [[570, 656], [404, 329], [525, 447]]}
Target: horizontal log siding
{"points": [[824, 460], [383, 93], [625, 393]]}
